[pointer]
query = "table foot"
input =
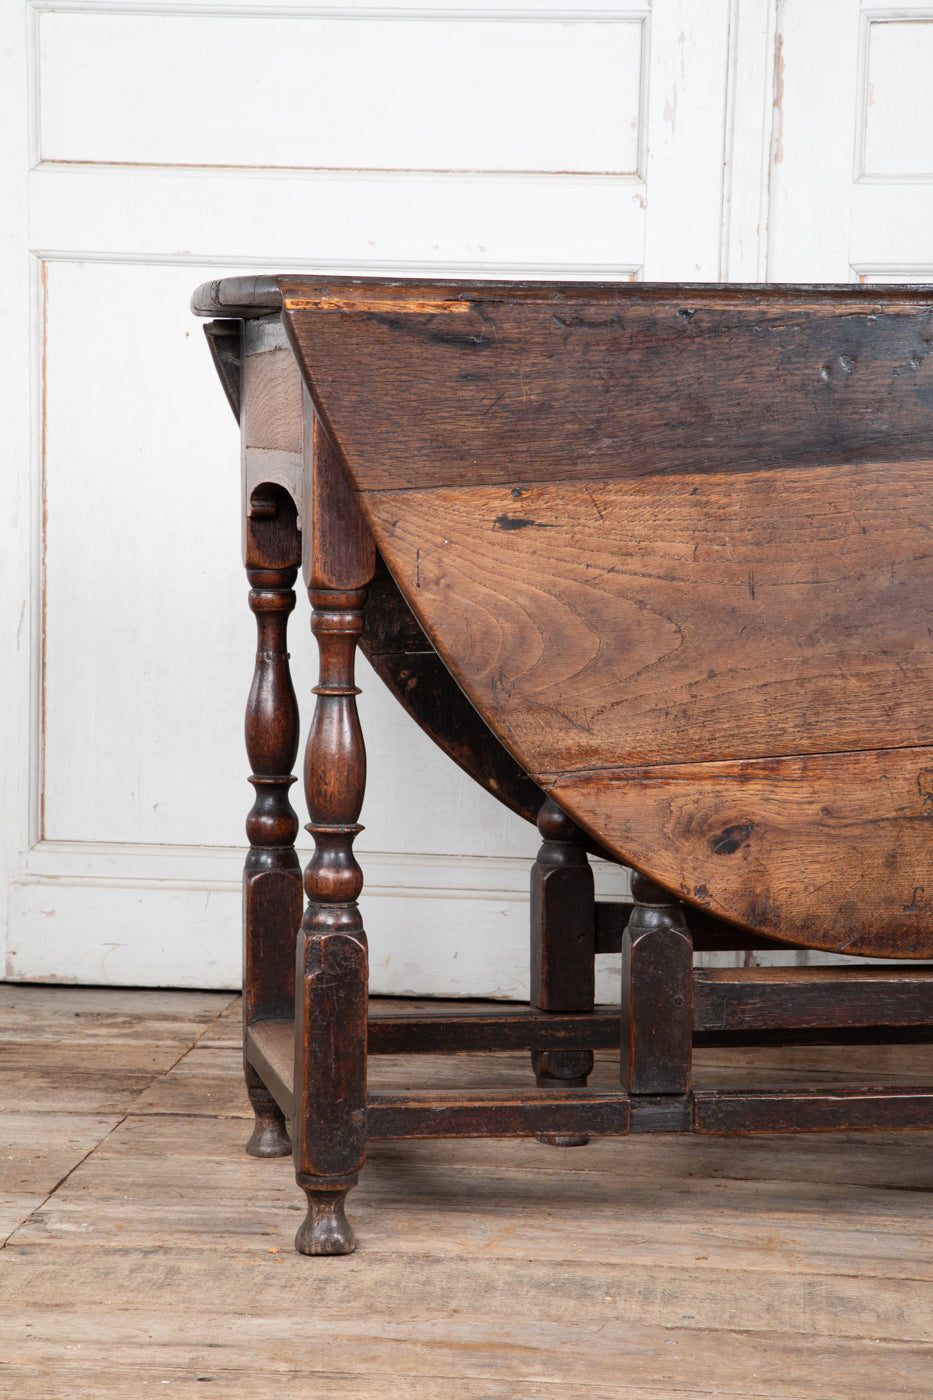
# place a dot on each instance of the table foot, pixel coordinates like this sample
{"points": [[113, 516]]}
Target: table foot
{"points": [[562, 1069], [269, 1136], [325, 1229]]}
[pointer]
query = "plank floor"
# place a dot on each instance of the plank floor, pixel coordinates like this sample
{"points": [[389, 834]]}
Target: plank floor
{"points": [[146, 1254]]}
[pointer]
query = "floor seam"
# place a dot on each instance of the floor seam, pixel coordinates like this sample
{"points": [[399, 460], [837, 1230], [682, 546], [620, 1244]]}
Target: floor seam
{"points": [[90, 1152], [123, 1118]]}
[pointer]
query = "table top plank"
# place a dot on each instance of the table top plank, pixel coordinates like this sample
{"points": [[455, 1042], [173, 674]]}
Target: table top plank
{"points": [[431, 387]]}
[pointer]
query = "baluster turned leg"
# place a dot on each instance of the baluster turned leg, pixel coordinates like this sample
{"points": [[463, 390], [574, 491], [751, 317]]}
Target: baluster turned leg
{"points": [[330, 1030], [272, 876], [657, 994], [562, 948]]}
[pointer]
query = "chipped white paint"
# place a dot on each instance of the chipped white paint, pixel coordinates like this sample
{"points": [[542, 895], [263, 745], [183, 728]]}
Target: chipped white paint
{"points": [[852, 195]]}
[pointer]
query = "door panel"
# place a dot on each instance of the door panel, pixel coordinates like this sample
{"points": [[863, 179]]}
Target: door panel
{"points": [[852, 182]]}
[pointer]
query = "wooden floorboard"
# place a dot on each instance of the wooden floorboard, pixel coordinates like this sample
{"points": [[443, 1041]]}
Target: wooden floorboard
{"points": [[147, 1254]]}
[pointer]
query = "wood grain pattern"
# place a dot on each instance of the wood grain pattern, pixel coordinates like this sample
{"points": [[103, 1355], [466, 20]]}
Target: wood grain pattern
{"points": [[771, 629], [697, 1266], [657, 620], [830, 850], [392, 640], [399, 652], [813, 1110], [757, 999], [656, 1024], [271, 399], [613, 381], [550, 1112], [223, 341], [674, 547], [341, 553], [657, 525]]}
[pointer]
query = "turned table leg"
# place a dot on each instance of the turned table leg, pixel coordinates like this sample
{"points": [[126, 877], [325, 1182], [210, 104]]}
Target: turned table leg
{"points": [[330, 1027], [562, 948], [272, 875], [331, 990]]}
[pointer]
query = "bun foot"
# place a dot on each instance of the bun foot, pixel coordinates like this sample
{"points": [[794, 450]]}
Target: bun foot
{"points": [[269, 1137], [562, 1069], [326, 1229]]}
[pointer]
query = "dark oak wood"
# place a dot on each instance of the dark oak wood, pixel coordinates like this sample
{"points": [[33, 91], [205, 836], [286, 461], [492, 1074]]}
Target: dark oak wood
{"points": [[223, 341], [785, 843], [263, 386], [563, 916], [406, 377], [397, 648], [813, 1110], [746, 999], [655, 557], [272, 876], [331, 990], [536, 508], [657, 996], [781, 687], [270, 1051], [563, 947], [495, 1027], [552, 1112]]}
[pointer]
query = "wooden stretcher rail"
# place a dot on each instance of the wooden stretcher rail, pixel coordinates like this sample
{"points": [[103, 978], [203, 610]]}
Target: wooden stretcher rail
{"points": [[525, 1114], [508, 1114], [499, 1028], [762, 999], [813, 1110], [710, 1111], [709, 935], [270, 1049], [728, 1002]]}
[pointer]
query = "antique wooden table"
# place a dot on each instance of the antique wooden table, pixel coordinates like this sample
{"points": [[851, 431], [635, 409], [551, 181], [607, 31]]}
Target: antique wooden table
{"points": [[653, 564]]}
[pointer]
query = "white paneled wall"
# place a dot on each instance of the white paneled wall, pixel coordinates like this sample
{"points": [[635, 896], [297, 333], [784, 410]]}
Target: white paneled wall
{"points": [[852, 184], [379, 92], [152, 144]]}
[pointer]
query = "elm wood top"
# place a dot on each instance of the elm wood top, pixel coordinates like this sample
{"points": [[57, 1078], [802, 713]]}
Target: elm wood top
{"points": [[668, 619], [673, 544], [726, 680]]}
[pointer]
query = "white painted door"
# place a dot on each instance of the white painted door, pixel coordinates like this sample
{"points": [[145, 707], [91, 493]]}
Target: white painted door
{"points": [[852, 181], [155, 143]]}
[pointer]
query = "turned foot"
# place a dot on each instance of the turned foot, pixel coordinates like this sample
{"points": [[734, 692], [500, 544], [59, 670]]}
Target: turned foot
{"points": [[562, 1069], [325, 1229], [270, 1136]]}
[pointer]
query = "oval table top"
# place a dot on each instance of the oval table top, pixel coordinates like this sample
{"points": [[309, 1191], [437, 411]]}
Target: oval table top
{"points": [[675, 544]]}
